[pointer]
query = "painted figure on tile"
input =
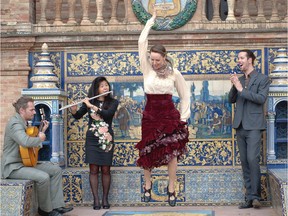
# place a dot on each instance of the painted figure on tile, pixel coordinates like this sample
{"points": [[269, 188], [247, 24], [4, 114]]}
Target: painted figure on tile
{"points": [[164, 128], [99, 137], [216, 124], [123, 117], [249, 92], [47, 177]]}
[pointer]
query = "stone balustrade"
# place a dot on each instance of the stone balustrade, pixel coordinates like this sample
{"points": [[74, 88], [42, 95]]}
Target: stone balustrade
{"points": [[117, 15]]}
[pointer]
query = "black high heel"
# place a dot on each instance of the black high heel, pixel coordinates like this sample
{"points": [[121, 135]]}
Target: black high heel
{"points": [[96, 207], [172, 202], [106, 206], [147, 198]]}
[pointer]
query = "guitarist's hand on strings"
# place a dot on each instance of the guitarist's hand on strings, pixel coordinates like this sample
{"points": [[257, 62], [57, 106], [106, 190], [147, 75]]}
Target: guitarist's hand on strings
{"points": [[41, 134]]}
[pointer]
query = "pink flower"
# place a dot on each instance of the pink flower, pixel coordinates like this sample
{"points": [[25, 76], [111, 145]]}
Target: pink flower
{"points": [[108, 137], [103, 130]]}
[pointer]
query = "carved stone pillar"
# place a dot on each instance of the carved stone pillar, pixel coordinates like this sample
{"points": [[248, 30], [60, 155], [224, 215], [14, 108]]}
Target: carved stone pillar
{"points": [[55, 139], [260, 16], [131, 18], [61, 136], [216, 14], [43, 5], [85, 18], [230, 16], [270, 136], [204, 17], [71, 5], [126, 11], [245, 15], [274, 16], [58, 4], [114, 5], [99, 18]]}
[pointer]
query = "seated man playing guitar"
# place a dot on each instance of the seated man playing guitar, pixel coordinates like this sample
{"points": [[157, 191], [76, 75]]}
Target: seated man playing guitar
{"points": [[48, 177]]}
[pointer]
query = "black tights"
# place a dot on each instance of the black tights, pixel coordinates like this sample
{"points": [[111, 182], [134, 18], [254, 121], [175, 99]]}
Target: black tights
{"points": [[106, 179]]}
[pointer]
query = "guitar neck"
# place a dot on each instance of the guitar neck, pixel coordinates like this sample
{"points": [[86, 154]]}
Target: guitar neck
{"points": [[42, 114]]}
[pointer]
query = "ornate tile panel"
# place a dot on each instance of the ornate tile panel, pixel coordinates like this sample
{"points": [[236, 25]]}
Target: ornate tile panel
{"points": [[102, 63], [127, 63], [208, 153], [200, 153], [194, 186], [17, 197], [72, 188]]}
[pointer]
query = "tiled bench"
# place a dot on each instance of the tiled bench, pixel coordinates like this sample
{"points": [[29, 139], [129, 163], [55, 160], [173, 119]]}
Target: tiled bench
{"points": [[17, 198], [279, 190]]}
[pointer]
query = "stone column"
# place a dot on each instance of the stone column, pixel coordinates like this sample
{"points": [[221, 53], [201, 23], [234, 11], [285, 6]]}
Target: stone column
{"points": [[204, 17], [274, 16], [55, 139], [270, 135], [43, 5], [126, 11], [61, 143], [114, 5], [71, 5], [260, 15], [99, 18], [58, 4], [216, 14], [231, 5], [85, 8], [245, 15], [130, 14]]}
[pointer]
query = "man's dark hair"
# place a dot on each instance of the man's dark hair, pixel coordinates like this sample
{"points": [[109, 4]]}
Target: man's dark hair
{"points": [[22, 102], [249, 54]]}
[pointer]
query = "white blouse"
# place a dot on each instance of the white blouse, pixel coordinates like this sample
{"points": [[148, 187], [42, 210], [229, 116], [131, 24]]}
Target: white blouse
{"points": [[156, 85]]}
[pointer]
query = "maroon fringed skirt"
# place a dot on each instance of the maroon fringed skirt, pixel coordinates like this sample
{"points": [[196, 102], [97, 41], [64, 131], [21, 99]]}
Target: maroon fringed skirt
{"points": [[164, 135]]}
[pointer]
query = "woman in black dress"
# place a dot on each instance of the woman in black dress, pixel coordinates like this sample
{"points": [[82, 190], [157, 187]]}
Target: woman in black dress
{"points": [[99, 137]]}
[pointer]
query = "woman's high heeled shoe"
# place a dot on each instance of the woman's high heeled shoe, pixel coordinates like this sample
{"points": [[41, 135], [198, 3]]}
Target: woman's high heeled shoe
{"points": [[106, 206], [147, 194], [96, 206], [171, 197]]}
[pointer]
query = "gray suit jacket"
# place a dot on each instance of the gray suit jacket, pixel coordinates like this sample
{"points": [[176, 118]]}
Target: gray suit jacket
{"points": [[250, 102], [15, 135]]}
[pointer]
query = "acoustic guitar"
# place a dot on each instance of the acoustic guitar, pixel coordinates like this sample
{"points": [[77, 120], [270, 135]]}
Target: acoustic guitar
{"points": [[29, 155]]}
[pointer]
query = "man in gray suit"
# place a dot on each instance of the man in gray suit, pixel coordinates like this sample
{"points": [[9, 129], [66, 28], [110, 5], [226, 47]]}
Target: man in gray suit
{"points": [[48, 177], [249, 92]]}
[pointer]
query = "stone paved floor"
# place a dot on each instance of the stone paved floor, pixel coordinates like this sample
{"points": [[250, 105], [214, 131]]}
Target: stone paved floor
{"points": [[219, 210]]}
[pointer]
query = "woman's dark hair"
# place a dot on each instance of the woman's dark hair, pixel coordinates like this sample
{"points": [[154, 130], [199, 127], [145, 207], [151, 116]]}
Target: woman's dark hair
{"points": [[159, 48], [22, 102], [94, 90], [249, 54]]}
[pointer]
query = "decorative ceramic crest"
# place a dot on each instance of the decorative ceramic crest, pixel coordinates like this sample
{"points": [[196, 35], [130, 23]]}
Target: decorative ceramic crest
{"points": [[171, 14]]}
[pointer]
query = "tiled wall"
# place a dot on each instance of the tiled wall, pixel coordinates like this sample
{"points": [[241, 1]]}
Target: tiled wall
{"points": [[212, 156]]}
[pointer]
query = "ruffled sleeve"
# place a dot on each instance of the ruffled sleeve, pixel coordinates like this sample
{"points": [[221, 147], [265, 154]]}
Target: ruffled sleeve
{"points": [[184, 94]]}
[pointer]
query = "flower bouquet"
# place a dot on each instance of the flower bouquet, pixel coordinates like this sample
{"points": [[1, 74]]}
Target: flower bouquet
{"points": [[100, 129]]}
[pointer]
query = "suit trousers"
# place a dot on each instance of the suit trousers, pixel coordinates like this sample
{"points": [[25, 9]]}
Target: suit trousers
{"points": [[48, 179], [249, 142]]}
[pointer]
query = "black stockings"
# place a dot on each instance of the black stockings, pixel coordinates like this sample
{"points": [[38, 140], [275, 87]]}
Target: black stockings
{"points": [[93, 178], [106, 180]]}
